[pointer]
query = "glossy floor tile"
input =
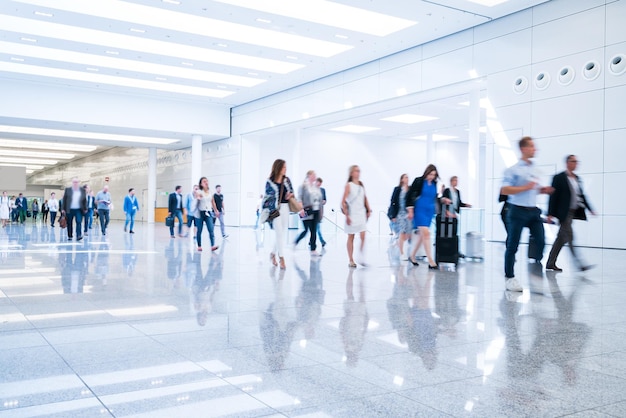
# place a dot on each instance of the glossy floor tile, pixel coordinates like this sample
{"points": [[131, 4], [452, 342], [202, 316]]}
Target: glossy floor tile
{"points": [[145, 326]]}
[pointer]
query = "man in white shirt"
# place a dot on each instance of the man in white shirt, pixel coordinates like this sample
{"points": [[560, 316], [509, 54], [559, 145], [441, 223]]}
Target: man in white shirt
{"points": [[53, 206]]}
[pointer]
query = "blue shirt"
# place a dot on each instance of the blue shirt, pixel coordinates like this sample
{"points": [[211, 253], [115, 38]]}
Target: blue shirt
{"points": [[520, 175], [102, 197]]}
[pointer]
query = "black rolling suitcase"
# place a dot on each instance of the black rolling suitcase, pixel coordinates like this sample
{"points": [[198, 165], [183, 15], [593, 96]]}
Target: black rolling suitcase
{"points": [[447, 240]]}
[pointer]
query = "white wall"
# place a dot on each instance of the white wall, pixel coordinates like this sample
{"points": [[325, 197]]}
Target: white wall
{"points": [[585, 117]]}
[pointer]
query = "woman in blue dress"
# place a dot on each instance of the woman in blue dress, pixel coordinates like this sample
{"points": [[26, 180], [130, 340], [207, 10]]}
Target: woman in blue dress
{"points": [[421, 203]]}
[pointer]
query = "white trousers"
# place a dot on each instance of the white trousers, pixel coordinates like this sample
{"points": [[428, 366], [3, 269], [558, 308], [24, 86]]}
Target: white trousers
{"points": [[281, 225]]}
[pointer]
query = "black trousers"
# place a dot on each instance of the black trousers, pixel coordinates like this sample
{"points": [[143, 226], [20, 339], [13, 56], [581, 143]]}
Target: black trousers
{"points": [[310, 226]]}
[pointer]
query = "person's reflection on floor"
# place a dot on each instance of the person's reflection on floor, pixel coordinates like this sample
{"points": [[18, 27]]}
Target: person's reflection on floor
{"points": [[277, 327], [398, 305], [102, 263], [311, 297], [205, 287], [73, 271], [44, 233], [447, 302], [174, 260], [129, 258], [353, 325], [422, 337]]}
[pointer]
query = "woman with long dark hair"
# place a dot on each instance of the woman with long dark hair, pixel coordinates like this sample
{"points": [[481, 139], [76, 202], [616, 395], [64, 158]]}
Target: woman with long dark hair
{"points": [[398, 213], [356, 207], [207, 210], [421, 202], [278, 191]]}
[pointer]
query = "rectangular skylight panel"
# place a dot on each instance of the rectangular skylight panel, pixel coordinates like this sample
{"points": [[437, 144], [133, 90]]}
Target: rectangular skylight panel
{"points": [[85, 135], [355, 129], [20, 143], [329, 13], [16, 160], [112, 80], [147, 16], [115, 41], [37, 154], [409, 118], [488, 3], [127, 65]]}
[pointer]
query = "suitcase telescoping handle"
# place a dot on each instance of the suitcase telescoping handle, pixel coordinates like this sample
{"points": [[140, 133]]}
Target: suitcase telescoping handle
{"points": [[446, 229]]}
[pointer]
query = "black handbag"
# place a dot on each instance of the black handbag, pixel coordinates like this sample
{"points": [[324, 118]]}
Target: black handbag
{"points": [[276, 213], [169, 221]]}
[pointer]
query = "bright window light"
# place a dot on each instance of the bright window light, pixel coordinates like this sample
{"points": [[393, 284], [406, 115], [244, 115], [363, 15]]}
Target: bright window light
{"points": [[149, 46], [85, 135], [22, 143], [27, 161], [409, 118], [37, 154], [488, 3], [436, 137], [112, 80], [198, 25], [355, 129], [328, 13]]}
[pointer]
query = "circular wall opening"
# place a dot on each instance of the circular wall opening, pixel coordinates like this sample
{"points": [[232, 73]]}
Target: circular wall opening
{"points": [[617, 66], [542, 80], [566, 76], [591, 70], [520, 85]]}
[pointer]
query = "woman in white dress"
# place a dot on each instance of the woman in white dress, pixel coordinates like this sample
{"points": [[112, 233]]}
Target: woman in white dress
{"points": [[357, 210], [4, 208]]}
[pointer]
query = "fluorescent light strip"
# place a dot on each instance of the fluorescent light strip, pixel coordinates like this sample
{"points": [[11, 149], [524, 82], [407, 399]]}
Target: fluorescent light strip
{"points": [[326, 13], [27, 166], [112, 80], [26, 143], [488, 3], [409, 118], [133, 43], [85, 135], [27, 161], [197, 25], [355, 129], [100, 61], [35, 154], [436, 137]]}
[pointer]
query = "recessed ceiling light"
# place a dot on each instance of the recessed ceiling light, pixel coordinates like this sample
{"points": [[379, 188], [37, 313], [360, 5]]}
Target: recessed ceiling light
{"points": [[488, 3], [171, 1], [221, 87], [28, 167], [160, 78], [148, 46], [329, 13], [84, 135], [112, 52], [436, 137], [19, 143], [409, 118], [126, 65], [137, 30], [44, 14], [16, 160], [341, 36], [112, 80], [401, 91], [347, 104], [17, 59], [253, 74], [222, 45], [291, 57], [305, 115], [146, 16], [37, 154], [355, 129], [92, 69], [261, 20], [188, 64], [28, 39]]}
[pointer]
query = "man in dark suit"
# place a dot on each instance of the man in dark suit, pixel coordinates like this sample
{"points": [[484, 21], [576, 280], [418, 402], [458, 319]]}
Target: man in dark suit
{"points": [[175, 209], [74, 207], [21, 206], [568, 202], [454, 195], [91, 204]]}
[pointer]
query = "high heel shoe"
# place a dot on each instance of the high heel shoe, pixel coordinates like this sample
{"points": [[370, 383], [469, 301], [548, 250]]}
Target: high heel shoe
{"points": [[282, 263], [413, 261], [435, 267], [273, 259]]}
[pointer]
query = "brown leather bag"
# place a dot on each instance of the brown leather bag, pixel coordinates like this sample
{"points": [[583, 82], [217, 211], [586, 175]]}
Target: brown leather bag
{"points": [[63, 221]]}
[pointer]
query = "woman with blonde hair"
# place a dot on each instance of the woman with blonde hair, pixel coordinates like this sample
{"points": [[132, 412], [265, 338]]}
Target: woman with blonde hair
{"points": [[355, 206], [278, 191], [398, 215], [207, 211], [311, 197]]}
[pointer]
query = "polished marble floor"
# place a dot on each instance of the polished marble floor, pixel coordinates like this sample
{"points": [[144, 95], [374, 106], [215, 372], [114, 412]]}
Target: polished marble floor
{"points": [[143, 326]]}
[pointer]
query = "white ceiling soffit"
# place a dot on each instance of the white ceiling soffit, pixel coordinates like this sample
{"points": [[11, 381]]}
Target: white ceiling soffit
{"points": [[222, 51]]}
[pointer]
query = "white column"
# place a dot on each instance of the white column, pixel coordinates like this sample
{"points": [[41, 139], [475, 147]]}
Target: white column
{"points": [[473, 149], [196, 160], [430, 149], [152, 182]]}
